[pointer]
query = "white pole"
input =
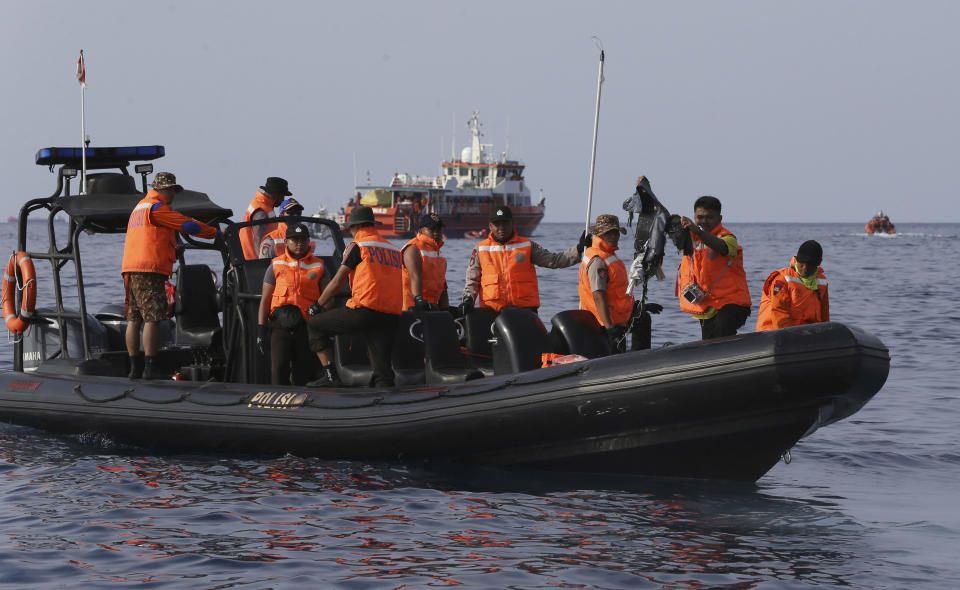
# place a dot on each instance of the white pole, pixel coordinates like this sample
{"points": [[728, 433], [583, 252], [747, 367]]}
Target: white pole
{"points": [[593, 155], [83, 128]]}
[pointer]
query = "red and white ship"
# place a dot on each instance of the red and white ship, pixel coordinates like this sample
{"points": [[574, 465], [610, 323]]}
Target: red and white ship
{"points": [[463, 194]]}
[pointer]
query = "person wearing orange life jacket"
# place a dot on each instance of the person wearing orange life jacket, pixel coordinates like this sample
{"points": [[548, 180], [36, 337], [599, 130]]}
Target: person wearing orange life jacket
{"points": [[797, 294], [274, 243], [261, 207], [604, 281], [291, 287], [149, 251], [711, 282], [373, 266], [424, 272], [501, 270]]}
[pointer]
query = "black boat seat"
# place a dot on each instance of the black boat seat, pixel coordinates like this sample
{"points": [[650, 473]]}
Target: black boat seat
{"points": [[520, 340], [478, 330], [197, 304], [352, 360], [577, 331], [444, 363], [407, 359]]}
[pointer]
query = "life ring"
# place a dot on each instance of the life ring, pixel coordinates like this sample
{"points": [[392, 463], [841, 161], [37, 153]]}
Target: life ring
{"points": [[17, 323]]}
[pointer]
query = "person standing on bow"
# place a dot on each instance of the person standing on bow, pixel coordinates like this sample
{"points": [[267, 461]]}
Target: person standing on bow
{"points": [[261, 207], [424, 272], [149, 251], [796, 295], [274, 243], [501, 270], [291, 286], [711, 282], [604, 281], [373, 266]]}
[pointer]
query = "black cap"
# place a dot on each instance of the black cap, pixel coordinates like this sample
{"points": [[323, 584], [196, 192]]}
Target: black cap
{"points": [[297, 231], [277, 186], [360, 214], [431, 221], [810, 252], [501, 213]]}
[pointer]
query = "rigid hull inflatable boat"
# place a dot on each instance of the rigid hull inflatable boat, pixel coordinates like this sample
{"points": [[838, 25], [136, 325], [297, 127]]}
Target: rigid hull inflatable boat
{"points": [[726, 408]]}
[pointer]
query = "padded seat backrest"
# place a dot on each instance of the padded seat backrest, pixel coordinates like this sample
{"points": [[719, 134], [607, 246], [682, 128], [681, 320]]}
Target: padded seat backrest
{"points": [[408, 351], [444, 363], [577, 331], [520, 340], [478, 330], [196, 306], [351, 359]]}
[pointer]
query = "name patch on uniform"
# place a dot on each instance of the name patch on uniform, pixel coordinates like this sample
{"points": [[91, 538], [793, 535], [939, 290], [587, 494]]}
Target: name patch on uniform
{"points": [[519, 257], [777, 287], [385, 256]]}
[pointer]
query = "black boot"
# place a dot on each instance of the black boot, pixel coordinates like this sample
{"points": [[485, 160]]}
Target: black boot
{"points": [[150, 369], [136, 366], [329, 378]]}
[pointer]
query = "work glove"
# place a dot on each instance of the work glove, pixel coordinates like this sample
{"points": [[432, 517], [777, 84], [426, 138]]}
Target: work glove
{"points": [[263, 336], [315, 309], [465, 307], [586, 240], [420, 304], [649, 308]]}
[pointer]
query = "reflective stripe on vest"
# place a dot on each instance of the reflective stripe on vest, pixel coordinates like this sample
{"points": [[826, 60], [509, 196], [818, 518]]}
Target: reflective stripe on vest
{"points": [[507, 274], [375, 283], [148, 247], [730, 289]]}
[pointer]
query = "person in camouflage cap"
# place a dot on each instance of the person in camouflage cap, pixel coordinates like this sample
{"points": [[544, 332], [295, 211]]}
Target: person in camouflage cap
{"points": [[166, 180], [604, 281]]}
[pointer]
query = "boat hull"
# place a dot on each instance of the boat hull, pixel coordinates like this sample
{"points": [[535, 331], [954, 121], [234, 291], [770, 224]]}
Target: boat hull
{"points": [[723, 409]]}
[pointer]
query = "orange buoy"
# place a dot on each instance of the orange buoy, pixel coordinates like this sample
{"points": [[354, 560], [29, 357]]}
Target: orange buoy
{"points": [[17, 322]]}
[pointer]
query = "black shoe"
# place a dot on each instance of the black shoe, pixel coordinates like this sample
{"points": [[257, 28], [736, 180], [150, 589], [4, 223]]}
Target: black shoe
{"points": [[328, 379], [136, 366], [150, 370]]}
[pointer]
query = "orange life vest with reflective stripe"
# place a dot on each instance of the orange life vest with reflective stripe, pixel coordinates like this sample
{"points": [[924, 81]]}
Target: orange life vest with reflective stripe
{"points": [[619, 302], [725, 280], [259, 203], [507, 274], [433, 271], [148, 247], [278, 243], [375, 283], [786, 301], [297, 282]]}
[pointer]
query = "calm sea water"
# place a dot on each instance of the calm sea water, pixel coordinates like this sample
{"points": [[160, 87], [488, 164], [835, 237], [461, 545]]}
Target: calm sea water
{"points": [[870, 502]]}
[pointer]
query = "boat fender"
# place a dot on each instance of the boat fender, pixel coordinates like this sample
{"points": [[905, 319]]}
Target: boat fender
{"points": [[17, 321]]}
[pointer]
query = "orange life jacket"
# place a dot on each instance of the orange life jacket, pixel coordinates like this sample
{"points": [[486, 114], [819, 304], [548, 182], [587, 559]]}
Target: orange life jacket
{"points": [[375, 283], [433, 271], [725, 280], [278, 242], [259, 203], [507, 274], [297, 282], [148, 247], [786, 301], [619, 302]]}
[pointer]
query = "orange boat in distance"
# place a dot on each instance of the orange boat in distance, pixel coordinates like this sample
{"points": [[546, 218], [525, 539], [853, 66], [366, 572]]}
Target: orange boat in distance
{"points": [[880, 224]]}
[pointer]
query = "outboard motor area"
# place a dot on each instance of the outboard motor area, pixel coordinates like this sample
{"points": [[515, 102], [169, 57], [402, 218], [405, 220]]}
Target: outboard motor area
{"points": [[41, 340]]}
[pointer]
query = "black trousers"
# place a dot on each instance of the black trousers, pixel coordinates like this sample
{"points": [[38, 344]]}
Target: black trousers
{"points": [[725, 322], [290, 355], [378, 328]]}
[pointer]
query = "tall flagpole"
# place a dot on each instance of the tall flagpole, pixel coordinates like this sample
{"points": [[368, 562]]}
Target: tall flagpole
{"points": [[596, 124], [82, 78]]}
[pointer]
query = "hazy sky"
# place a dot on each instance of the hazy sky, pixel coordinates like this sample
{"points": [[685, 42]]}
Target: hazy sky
{"points": [[803, 111]]}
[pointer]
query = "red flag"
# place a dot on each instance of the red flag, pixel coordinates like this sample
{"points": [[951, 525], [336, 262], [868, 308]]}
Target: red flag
{"points": [[81, 71]]}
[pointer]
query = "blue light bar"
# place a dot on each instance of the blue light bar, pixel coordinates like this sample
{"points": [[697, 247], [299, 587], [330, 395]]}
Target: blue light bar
{"points": [[99, 156]]}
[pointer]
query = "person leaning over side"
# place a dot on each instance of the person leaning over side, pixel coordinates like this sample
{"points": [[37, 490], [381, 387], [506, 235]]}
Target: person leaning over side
{"points": [[424, 272], [274, 243], [797, 294], [712, 284], [604, 281], [261, 207], [373, 267], [501, 270], [149, 251], [291, 286]]}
